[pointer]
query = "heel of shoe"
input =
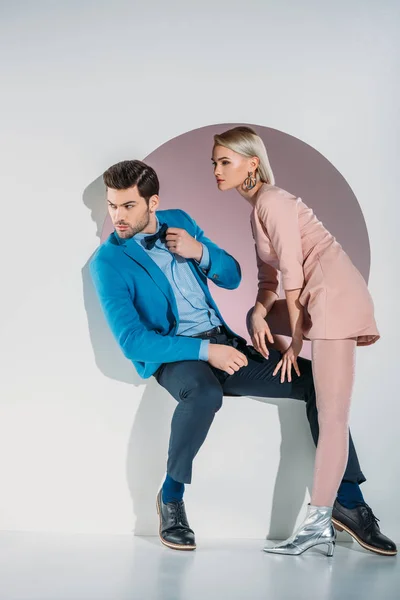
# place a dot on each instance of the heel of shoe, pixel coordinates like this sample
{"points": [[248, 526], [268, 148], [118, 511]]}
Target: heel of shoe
{"points": [[331, 549], [337, 527], [316, 530]]}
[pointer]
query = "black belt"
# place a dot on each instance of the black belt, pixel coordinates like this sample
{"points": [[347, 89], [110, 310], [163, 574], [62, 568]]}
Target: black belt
{"points": [[210, 332]]}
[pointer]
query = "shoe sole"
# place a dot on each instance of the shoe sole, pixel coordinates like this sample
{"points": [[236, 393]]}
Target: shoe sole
{"points": [[166, 542], [340, 527]]}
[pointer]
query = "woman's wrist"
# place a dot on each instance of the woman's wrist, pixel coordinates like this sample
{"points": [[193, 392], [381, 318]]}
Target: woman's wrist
{"points": [[259, 312]]}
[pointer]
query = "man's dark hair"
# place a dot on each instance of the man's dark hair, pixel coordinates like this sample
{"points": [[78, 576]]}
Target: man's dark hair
{"points": [[129, 173]]}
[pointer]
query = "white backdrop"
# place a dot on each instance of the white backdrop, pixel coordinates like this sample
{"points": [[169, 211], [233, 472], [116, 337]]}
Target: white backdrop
{"points": [[85, 84]]}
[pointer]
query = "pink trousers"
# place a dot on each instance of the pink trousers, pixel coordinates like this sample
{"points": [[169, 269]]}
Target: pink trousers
{"points": [[333, 365]]}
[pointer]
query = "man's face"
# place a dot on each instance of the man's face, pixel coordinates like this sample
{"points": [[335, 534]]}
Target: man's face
{"points": [[129, 212]]}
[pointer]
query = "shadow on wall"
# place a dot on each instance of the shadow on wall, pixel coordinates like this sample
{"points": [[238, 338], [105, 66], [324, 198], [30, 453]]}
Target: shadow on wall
{"points": [[295, 471], [148, 446], [300, 169], [108, 355], [147, 454], [148, 442]]}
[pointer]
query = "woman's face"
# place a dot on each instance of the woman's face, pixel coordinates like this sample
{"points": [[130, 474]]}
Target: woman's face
{"points": [[231, 168]]}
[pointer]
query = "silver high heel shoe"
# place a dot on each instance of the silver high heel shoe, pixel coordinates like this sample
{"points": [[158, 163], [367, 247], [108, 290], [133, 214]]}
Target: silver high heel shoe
{"points": [[316, 530]]}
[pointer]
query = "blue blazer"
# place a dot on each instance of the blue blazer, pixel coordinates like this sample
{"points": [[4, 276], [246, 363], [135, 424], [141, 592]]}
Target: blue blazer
{"points": [[138, 301]]}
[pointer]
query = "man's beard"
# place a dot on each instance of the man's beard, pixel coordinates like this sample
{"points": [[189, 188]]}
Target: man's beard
{"points": [[133, 230]]}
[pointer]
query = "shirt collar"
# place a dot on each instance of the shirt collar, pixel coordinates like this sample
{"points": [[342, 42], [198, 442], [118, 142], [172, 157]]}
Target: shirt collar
{"points": [[139, 237]]}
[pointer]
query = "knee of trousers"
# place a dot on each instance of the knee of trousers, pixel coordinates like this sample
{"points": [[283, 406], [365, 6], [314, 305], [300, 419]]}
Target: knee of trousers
{"points": [[204, 398], [303, 388]]}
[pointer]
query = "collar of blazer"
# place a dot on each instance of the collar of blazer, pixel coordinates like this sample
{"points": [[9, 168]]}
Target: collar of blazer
{"points": [[140, 256]]}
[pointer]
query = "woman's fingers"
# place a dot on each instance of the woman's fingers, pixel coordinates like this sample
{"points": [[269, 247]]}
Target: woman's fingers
{"points": [[278, 366], [292, 362], [258, 341], [284, 368], [254, 341], [263, 345], [286, 363], [269, 335], [289, 370], [296, 367]]}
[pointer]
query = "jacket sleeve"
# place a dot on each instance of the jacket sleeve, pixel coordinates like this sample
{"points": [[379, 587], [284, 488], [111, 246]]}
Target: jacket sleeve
{"points": [[279, 215], [223, 269], [268, 276], [136, 341]]}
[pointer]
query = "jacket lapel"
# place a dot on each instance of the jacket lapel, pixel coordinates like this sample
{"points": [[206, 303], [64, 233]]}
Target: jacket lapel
{"points": [[136, 252]]}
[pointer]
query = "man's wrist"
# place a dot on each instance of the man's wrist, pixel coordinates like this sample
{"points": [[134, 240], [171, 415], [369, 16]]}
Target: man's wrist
{"points": [[203, 354], [199, 253], [205, 261]]}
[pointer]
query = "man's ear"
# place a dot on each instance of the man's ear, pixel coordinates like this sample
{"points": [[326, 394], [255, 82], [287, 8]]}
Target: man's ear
{"points": [[154, 201]]}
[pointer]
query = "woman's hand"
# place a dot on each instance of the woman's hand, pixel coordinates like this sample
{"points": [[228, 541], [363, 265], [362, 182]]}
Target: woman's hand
{"points": [[289, 360], [259, 330]]}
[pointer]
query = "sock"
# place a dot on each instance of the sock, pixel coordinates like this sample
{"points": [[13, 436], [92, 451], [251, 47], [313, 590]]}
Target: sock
{"points": [[172, 490], [350, 495]]}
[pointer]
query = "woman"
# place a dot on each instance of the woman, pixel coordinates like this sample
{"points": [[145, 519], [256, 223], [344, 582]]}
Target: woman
{"points": [[327, 302]]}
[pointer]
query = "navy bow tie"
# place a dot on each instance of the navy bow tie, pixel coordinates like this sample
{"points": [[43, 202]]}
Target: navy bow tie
{"points": [[150, 240]]}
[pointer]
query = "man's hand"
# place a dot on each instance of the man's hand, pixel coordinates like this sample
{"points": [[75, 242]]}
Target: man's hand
{"points": [[226, 358], [180, 242]]}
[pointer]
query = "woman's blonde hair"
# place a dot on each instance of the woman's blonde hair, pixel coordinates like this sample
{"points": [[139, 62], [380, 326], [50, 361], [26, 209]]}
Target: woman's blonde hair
{"points": [[245, 141]]}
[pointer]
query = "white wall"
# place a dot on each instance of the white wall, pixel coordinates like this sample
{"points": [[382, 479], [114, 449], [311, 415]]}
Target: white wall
{"points": [[85, 84]]}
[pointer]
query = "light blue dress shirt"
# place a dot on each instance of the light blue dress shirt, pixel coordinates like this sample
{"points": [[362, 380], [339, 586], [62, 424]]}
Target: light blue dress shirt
{"points": [[195, 314]]}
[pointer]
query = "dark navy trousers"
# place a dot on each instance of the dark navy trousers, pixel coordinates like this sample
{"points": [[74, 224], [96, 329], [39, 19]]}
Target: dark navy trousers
{"points": [[199, 389]]}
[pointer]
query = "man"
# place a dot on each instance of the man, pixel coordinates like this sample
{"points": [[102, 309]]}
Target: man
{"points": [[151, 278]]}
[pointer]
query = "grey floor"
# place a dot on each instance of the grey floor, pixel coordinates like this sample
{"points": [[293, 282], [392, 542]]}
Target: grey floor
{"points": [[112, 567]]}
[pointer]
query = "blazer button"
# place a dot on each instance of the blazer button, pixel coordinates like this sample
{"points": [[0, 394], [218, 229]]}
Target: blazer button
{"points": [[215, 276]]}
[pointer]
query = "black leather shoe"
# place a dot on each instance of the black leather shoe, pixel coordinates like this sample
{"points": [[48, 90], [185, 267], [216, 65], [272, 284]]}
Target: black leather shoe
{"points": [[174, 529], [362, 525]]}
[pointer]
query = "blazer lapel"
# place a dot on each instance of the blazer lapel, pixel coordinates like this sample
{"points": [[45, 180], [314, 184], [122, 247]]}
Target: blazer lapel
{"points": [[136, 252]]}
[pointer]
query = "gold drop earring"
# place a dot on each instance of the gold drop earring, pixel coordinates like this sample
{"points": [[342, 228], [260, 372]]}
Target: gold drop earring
{"points": [[250, 181]]}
